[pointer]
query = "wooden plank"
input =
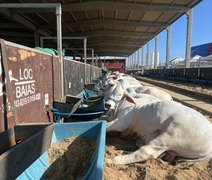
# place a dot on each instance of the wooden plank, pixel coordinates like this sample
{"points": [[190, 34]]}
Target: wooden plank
{"points": [[23, 131], [7, 140], [17, 159]]}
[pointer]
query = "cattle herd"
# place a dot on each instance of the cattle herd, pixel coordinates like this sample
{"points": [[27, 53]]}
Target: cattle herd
{"points": [[169, 129]]}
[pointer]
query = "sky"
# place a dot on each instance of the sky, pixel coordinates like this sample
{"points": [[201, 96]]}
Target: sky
{"points": [[201, 32]]}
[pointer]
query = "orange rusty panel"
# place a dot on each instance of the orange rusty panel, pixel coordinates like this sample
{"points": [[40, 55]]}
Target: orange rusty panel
{"points": [[31, 77]]}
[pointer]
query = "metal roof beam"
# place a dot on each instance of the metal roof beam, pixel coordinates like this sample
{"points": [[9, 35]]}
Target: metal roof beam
{"points": [[106, 39], [23, 21], [111, 49], [16, 34], [11, 26], [111, 6], [112, 54], [108, 44], [96, 42], [102, 5], [107, 53], [112, 32], [110, 22]]}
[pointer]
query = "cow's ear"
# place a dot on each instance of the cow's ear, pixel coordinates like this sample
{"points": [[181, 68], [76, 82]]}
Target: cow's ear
{"points": [[129, 99]]}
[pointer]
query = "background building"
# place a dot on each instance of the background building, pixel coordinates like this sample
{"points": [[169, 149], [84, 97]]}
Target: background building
{"points": [[202, 50]]}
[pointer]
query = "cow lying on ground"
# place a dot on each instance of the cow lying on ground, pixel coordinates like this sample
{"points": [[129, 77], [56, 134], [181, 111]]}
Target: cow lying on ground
{"points": [[166, 127], [116, 93]]}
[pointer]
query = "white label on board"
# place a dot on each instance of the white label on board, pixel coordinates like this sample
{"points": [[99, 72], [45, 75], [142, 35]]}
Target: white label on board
{"points": [[46, 99], [69, 85], [81, 80]]}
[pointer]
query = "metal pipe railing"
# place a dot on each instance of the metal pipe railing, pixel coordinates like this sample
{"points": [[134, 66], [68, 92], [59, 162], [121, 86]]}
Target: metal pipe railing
{"points": [[58, 9], [70, 38]]}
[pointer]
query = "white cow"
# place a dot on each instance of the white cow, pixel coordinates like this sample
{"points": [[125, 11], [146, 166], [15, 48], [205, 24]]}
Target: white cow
{"points": [[162, 95], [117, 92], [165, 126], [135, 89]]}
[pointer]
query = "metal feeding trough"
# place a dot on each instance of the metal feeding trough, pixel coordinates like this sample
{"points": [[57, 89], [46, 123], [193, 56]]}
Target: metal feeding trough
{"points": [[75, 108], [68, 103], [28, 159], [89, 109], [64, 107]]}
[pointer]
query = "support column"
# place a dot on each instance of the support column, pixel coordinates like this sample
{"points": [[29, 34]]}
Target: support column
{"points": [[142, 57], [92, 54], [96, 61], [59, 47], [85, 59], [92, 64], [130, 62], [188, 39], [148, 56], [156, 52], [135, 60], [168, 47], [138, 59]]}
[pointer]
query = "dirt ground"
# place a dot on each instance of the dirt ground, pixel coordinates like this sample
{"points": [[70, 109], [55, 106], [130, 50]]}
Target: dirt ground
{"points": [[69, 158], [152, 169]]}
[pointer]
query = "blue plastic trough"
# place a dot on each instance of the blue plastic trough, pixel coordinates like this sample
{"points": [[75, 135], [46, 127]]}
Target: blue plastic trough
{"points": [[94, 130], [91, 107], [83, 115]]}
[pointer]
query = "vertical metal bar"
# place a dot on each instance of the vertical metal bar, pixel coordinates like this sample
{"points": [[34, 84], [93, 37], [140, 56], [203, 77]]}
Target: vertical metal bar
{"points": [[156, 52], [168, 47], [59, 46], [142, 60], [152, 58], [96, 61], [130, 62], [92, 64], [148, 55], [198, 74], [92, 54], [85, 58], [135, 60], [134, 57], [127, 62], [188, 39], [138, 59]]}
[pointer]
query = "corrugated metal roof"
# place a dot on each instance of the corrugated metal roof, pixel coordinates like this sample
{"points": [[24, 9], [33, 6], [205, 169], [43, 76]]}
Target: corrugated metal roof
{"points": [[112, 27]]}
